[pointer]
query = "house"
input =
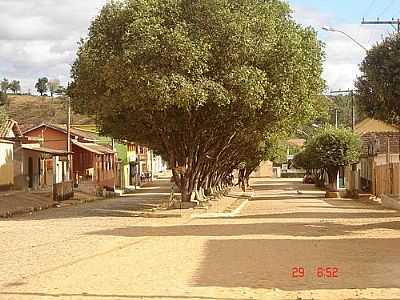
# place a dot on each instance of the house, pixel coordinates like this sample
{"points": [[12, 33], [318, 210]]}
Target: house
{"points": [[40, 168], [159, 165], [380, 151], [136, 163], [24, 162], [6, 164], [93, 165], [265, 169], [126, 167]]}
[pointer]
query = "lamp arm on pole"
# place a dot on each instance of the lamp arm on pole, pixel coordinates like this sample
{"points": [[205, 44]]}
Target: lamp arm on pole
{"points": [[354, 40]]}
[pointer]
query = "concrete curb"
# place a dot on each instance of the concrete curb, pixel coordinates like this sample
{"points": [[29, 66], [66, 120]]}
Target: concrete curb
{"points": [[25, 210], [237, 210], [64, 204], [68, 203], [234, 212], [160, 215]]}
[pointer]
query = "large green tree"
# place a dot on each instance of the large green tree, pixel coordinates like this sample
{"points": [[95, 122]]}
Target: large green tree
{"points": [[15, 86], [329, 149], [42, 85], [201, 82], [4, 85], [379, 84]]}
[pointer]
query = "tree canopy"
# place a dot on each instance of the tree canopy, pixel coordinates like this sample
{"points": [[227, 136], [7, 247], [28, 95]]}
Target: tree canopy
{"points": [[379, 84], [42, 85], [15, 86], [204, 83], [328, 149], [5, 85]]}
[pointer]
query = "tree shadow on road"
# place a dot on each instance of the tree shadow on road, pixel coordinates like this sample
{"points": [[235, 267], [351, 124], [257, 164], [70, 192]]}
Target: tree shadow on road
{"points": [[303, 229], [143, 200], [259, 263], [113, 296], [323, 215], [283, 197]]}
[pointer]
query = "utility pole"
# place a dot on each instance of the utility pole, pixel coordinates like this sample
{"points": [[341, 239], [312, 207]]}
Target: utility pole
{"points": [[336, 118], [353, 117], [69, 140], [354, 174], [386, 22]]}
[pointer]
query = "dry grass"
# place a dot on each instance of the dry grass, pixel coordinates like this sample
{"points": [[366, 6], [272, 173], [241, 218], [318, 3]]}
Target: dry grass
{"points": [[30, 111]]}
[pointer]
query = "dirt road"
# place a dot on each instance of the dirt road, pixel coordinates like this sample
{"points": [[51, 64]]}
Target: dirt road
{"points": [[284, 244]]}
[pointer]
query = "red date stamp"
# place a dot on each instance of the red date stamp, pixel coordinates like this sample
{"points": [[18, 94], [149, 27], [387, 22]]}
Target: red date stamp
{"points": [[319, 272]]}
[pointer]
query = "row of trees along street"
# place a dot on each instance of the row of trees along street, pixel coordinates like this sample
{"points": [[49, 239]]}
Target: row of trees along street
{"points": [[209, 85]]}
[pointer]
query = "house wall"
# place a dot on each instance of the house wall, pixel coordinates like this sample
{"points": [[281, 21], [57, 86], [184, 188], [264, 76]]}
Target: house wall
{"points": [[83, 162], [264, 170], [380, 142], [122, 176], [61, 170], [105, 170], [6, 165], [53, 139], [22, 178], [126, 174], [375, 146], [159, 165]]}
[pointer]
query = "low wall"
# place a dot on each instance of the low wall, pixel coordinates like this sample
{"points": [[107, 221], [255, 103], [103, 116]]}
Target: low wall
{"points": [[63, 191], [391, 201], [292, 175]]}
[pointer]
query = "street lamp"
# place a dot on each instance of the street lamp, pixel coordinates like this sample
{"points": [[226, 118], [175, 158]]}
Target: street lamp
{"points": [[328, 28]]}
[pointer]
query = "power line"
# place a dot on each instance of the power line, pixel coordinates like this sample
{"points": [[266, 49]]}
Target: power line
{"points": [[371, 4], [386, 8], [386, 22], [351, 92], [369, 7]]}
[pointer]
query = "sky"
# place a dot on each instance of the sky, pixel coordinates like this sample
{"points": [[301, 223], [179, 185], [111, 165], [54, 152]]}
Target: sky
{"points": [[40, 37]]}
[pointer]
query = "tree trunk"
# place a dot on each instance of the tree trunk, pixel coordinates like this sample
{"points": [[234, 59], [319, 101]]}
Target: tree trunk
{"points": [[198, 193], [185, 190], [332, 178]]}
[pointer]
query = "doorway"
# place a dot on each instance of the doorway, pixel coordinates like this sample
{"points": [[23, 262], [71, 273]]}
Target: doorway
{"points": [[30, 172]]}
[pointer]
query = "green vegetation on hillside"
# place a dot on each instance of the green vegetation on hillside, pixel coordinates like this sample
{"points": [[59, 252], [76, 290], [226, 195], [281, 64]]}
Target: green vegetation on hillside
{"points": [[3, 114], [30, 111]]}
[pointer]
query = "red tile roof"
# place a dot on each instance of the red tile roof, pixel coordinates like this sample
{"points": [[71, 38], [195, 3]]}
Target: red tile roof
{"points": [[95, 148], [10, 125], [63, 128]]}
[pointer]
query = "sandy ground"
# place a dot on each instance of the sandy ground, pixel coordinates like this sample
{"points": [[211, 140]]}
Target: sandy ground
{"points": [[99, 251]]}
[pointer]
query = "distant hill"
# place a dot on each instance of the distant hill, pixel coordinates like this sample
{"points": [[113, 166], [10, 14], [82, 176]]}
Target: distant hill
{"points": [[30, 111]]}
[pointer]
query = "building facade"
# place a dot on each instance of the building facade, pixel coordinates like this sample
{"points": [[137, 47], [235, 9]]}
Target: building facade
{"points": [[93, 165]]}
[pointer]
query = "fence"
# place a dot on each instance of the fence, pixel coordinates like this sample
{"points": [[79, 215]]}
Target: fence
{"points": [[386, 179]]}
